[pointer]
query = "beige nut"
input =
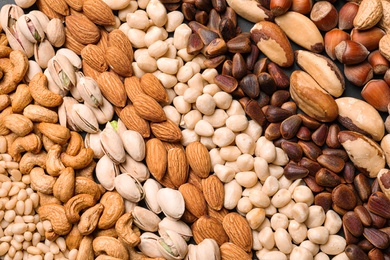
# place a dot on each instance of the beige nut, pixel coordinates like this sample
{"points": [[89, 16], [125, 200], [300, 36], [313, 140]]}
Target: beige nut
{"points": [[56, 215], [114, 207], [64, 186], [109, 246], [76, 204]]}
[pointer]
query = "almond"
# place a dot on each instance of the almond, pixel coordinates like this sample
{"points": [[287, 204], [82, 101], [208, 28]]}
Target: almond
{"points": [[199, 159], [103, 43], [166, 131], [75, 4], [209, 227], [112, 88], [148, 108], [213, 192], [134, 122], [194, 199], [59, 6], [72, 43], [156, 158], [94, 56], [98, 12], [238, 230], [133, 87], [118, 61], [177, 170], [118, 39], [83, 29], [230, 251], [152, 86], [45, 8], [89, 71]]}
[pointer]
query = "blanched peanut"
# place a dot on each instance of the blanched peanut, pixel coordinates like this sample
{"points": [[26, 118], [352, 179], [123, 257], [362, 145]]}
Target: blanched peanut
{"points": [[341, 256], [209, 75], [215, 158], [167, 65], [213, 89], [223, 100], [279, 221], [333, 222], [203, 128], [138, 20], [158, 49], [189, 136], [154, 34], [131, 8], [146, 63], [275, 255], [283, 240], [196, 81], [157, 12], [223, 136], [180, 88], [172, 114], [255, 217], [246, 179], [232, 165], [300, 212], [191, 95], [181, 105], [321, 256], [181, 35], [261, 168], [244, 205], [230, 153], [318, 235], [255, 240], [208, 142], [298, 231], [284, 183], [184, 74], [270, 210], [265, 149], [270, 186], [191, 119], [224, 173], [136, 70], [286, 210], [205, 104], [174, 19], [245, 162], [266, 238], [200, 59], [334, 246], [137, 38], [303, 194], [237, 123], [217, 119], [316, 216], [281, 157], [281, 198], [233, 193], [300, 253]]}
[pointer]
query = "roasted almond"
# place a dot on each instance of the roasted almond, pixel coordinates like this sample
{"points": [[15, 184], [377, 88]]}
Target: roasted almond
{"points": [[199, 159], [98, 12], [166, 131], [194, 199], [112, 88], [238, 230], [134, 122], [177, 169], [152, 86], [82, 29], [213, 192], [148, 108], [156, 158]]}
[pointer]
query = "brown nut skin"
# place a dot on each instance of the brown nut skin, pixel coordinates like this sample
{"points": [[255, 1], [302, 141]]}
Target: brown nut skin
{"points": [[113, 208], [311, 98], [56, 215], [324, 15], [124, 229], [76, 204], [376, 92], [109, 246], [273, 42]]}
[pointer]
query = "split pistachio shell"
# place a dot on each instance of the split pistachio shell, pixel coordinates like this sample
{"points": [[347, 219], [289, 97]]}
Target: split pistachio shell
{"points": [[171, 202], [112, 145], [64, 111], [25, 3], [129, 187], [43, 52], [43, 19], [72, 57], [84, 118], [90, 91], [120, 127], [103, 113], [172, 245], [31, 28], [151, 187], [18, 41], [55, 32], [52, 86], [9, 14], [33, 68], [178, 226], [62, 71], [148, 245], [208, 249], [134, 144], [145, 219], [137, 169], [93, 141], [106, 171], [73, 89]]}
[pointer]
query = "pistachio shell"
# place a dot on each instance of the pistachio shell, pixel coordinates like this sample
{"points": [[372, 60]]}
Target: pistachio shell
{"points": [[55, 32], [106, 171], [31, 28], [9, 14], [134, 144], [137, 169], [172, 245], [18, 41], [64, 112], [112, 145], [43, 52], [178, 226], [145, 219], [84, 118], [171, 202], [151, 187], [103, 113], [33, 68], [148, 245], [74, 90], [129, 188], [90, 91], [72, 57], [62, 71], [43, 19], [93, 141], [208, 249]]}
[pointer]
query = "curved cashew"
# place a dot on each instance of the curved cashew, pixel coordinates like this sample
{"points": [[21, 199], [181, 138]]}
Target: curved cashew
{"points": [[89, 219], [41, 181], [18, 124], [124, 229], [56, 215], [4, 130], [54, 164], [45, 199], [109, 246], [114, 207], [84, 185], [7, 83], [14, 68], [46, 142], [37, 113], [51, 235], [86, 249], [107, 257], [79, 161], [134, 255], [76, 204], [29, 160], [64, 186], [5, 51], [73, 238], [87, 171], [75, 144], [55, 132], [3, 39], [40, 92], [21, 98], [110, 232], [20, 62], [29, 143]]}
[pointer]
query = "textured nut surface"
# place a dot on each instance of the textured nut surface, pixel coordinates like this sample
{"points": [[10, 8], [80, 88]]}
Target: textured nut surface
{"points": [[368, 15]]}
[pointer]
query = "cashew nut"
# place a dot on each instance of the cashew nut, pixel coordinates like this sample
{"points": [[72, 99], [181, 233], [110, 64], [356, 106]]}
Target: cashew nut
{"points": [[75, 143], [76, 204], [45, 199], [111, 232], [106, 257], [20, 62], [41, 182], [87, 171], [56, 215], [87, 186], [40, 92], [124, 229], [73, 238], [29, 143], [54, 164], [55, 132], [3, 129], [64, 186], [5, 51], [86, 249], [134, 255], [114, 207], [109, 246], [29, 160], [37, 113], [21, 98], [79, 161], [13, 70], [18, 124], [51, 235], [89, 219], [47, 143]]}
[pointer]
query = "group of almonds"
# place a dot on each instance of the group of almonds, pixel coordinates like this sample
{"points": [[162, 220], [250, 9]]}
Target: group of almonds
{"points": [[259, 84]]}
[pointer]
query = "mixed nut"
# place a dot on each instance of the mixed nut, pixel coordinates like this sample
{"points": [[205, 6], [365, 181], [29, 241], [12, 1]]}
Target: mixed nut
{"points": [[157, 129]]}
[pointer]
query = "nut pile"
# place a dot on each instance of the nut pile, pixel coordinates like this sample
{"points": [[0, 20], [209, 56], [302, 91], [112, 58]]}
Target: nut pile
{"points": [[130, 128]]}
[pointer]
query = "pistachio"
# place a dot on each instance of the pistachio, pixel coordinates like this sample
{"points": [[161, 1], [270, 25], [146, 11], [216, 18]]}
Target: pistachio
{"points": [[84, 118], [62, 71], [31, 28]]}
